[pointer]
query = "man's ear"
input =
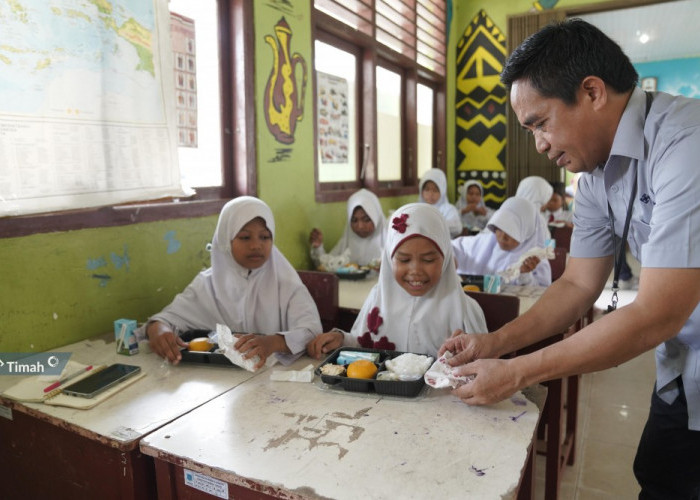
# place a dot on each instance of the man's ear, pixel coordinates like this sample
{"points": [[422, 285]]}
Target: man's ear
{"points": [[594, 90]]}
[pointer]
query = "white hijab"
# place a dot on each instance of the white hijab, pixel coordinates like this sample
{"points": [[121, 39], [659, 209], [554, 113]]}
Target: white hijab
{"points": [[363, 250], [538, 191], [393, 319], [470, 219], [481, 254], [271, 299]]}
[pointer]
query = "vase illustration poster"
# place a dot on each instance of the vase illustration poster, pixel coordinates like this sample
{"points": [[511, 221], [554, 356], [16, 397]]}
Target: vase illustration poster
{"points": [[284, 92], [332, 118]]}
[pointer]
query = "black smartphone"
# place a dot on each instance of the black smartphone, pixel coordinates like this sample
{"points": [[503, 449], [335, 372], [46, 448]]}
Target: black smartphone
{"points": [[91, 386]]}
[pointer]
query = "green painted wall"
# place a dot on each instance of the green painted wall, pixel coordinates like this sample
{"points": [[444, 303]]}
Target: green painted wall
{"points": [[51, 289]]}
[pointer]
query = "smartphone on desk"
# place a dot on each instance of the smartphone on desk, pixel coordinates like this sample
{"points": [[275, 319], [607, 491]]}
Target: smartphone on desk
{"points": [[94, 384]]}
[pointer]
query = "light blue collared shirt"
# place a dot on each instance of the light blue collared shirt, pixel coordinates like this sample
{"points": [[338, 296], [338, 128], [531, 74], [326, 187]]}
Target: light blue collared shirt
{"points": [[664, 149]]}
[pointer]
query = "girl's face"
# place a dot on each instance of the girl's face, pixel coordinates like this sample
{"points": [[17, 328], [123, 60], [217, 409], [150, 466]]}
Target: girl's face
{"points": [[252, 245], [506, 243], [417, 265], [473, 194], [361, 224], [431, 193], [555, 202]]}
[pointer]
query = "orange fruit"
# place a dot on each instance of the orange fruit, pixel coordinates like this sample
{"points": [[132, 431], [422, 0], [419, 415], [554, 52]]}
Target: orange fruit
{"points": [[362, 368], [200, 344]]}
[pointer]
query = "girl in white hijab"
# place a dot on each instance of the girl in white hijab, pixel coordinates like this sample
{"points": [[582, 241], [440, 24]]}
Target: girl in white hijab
{"points": [[364, 232], [433, 190], [250, 287], [418, 301], [471, 207], [537, 191], [513, 230]]}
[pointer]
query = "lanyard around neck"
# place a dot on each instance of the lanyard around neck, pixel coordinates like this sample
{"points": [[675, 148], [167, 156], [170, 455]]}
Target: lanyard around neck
{"points": [[619, 251]]}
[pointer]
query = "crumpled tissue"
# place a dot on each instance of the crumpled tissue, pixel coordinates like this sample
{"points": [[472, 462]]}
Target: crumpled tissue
{"points": [[513, 270], [441, 375], [226, 342]]}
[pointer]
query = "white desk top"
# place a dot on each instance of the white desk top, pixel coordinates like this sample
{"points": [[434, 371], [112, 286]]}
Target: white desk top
{"points": [[352, 293], [528, 295], [307, 440], [165, 393]]}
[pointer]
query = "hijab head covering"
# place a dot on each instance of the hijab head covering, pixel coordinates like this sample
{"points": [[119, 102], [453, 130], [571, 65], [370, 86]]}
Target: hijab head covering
{"points": [[519, 219], [464, 189], [535, 189], [438, 177], [393, 319], [245, 300], [363, 250]]}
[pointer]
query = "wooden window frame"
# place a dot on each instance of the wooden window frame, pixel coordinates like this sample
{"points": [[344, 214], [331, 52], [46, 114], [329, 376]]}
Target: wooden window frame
{"points": [[239, 173]]}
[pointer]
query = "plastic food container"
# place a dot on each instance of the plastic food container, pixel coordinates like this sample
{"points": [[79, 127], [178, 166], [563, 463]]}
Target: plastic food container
{"points": [[210, 357], [409, 388]]}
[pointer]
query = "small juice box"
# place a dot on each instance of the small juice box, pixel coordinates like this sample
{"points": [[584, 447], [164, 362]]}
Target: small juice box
{"points": [[124, 335]]}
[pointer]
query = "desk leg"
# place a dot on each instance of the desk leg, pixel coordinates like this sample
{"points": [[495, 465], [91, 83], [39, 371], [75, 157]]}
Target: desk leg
{"points": [[553, 421]]}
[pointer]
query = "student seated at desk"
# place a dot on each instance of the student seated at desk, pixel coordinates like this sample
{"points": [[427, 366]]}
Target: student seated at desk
{"points": [[364, 232], [470, 205], [432, 189], [513, 230], [250, 287], [538, 191], [418, 301], [556, 211]]}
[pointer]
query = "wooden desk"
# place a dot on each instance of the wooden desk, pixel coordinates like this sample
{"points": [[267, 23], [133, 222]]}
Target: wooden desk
{"points": [[58, 452], [303, 440]]}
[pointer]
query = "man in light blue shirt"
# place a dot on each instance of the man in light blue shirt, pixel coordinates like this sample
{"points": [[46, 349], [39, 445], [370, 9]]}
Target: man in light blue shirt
{"points": [[575, 90]]}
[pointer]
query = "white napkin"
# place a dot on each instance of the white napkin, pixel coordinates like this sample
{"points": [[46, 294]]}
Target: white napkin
{"points": [[226, 342], [306, 374], [441, 375], [514, 270]]}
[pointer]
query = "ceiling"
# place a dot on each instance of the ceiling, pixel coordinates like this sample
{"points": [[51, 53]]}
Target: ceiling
{"points": [[672, 28]]}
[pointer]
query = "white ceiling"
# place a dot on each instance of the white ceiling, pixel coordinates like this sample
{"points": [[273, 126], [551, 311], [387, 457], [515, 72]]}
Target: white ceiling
{"points": [[673, 29]]}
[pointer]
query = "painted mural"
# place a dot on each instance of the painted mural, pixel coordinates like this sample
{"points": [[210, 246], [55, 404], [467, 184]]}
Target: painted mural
{"points": [[480, 114], [284, 95]]}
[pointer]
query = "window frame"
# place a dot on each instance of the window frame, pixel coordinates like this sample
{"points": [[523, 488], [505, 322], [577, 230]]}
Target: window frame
{"points": [[371, 54], [238, 158]]}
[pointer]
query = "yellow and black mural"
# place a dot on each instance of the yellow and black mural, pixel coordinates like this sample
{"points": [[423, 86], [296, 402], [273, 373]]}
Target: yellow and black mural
{"points": [[480, 101]]}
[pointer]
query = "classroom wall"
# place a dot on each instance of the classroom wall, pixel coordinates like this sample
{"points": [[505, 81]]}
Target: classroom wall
{"points": [[58, 288]]}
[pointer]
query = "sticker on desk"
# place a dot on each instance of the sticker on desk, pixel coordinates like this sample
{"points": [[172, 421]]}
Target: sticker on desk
{"points": [[206, 484], [6, 412]]}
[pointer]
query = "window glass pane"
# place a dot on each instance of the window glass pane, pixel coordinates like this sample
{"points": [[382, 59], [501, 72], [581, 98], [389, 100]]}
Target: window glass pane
{"points": [[196, 66], [425, 128], [336, 113], [388, 125]]}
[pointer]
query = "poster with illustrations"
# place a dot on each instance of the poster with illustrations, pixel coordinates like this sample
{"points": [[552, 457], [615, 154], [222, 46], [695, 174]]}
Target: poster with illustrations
{"points": [[332, 117]]}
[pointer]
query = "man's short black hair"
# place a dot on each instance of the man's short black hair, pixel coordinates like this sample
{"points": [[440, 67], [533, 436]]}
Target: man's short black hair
{"points": [[556, 59]]}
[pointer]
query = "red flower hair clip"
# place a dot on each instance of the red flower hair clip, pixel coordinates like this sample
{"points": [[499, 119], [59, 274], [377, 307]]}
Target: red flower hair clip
{"points": [[399, 223]]}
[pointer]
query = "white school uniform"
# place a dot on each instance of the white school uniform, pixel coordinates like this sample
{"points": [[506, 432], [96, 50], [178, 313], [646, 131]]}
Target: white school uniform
{"points": [[481, 254], [448, 211], [268, 300], [393, 319], [471, 220], [363, 251]]}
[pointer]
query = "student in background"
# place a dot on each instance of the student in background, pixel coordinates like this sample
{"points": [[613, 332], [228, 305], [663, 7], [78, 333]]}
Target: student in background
{"points": [[470, 205], [364, 232], [250, 287], [556, 211], [433, 190], [418, 301], [513, 230]]}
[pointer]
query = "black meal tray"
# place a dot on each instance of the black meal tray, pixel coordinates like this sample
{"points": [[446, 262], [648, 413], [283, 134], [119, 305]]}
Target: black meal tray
{"points": [[360, 274], [209, 357], [391, 387]]}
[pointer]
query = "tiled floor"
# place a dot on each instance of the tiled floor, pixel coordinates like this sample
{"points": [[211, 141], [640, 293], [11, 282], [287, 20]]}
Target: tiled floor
{"points": [[613, 408]]}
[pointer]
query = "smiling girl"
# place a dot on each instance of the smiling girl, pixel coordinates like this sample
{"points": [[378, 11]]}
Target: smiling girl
{"points": [[418, 301]]}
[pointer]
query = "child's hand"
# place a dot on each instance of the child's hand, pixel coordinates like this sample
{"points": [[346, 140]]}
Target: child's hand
{"points": [[529, 264], [250, 345], [316, 238], [163, 341], [324, 343]]}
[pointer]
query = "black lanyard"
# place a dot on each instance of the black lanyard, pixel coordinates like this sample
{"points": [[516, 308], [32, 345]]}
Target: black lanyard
{"points": [[620, 252]]}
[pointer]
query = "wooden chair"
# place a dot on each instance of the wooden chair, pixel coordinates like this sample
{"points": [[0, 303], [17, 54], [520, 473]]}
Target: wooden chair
{"points": [[324, 290], [558, 263], [562, 235], [498, 309]]}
